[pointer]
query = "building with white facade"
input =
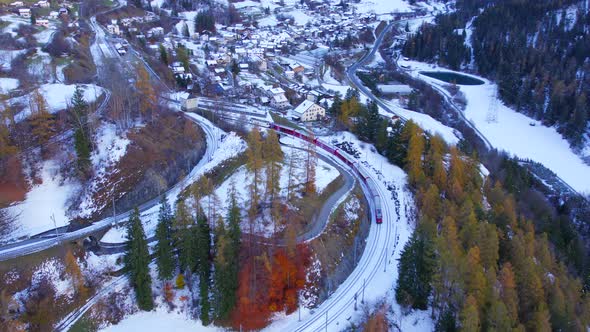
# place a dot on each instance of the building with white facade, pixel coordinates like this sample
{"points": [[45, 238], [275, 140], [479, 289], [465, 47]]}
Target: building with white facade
{"points": [[309, 111]]}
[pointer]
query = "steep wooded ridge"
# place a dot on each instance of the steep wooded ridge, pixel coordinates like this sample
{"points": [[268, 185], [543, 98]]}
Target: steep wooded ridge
{"points": [[475, 259], [536, 50]]}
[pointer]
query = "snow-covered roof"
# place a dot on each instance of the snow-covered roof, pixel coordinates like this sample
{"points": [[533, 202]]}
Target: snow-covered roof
{"points": [[394, 88], [304, 106], [280, 98], [277, 91]]}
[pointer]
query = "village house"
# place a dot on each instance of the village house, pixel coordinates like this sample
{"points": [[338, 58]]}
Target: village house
{"points": [[211, 63], [280, 101], [24, 12], [43, 4], [17, 4], [309, 111], [53, 15], [42, 23], [179, 71], [114, 29], [156, 31]]}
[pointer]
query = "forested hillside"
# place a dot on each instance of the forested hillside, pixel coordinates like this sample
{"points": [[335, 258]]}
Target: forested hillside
{"points": [[538, 55], [474, 259], [488, 251]]}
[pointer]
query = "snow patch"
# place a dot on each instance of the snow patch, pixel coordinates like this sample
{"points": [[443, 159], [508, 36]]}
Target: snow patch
{"points": [[8, 84], [45, 204], [53, 270], [57, 96]]}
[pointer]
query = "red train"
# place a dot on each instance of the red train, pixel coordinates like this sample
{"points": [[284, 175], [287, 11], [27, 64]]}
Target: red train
{"points": [[347, 159]]}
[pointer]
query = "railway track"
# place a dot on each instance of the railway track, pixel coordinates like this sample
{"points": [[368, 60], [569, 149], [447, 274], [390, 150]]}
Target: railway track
{"points": [[382, 237]]}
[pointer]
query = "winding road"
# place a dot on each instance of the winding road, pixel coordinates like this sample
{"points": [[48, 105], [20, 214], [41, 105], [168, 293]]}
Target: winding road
{"points": [[33, 245], [356, 83]]}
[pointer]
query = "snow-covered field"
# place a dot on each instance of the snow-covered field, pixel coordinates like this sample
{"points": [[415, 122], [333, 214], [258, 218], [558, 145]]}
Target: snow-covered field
{"points": [[45, 204], [188, 18], [111, 146], [515, 132], [159, 320], [57, 96], [13, 22], [45, 36], [426, 122], [382, 6], [8, 84], [50, 199]]}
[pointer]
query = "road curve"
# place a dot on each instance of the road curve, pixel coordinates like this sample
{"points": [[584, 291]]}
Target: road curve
{"points": [[31, 246], [319, 222], [354, 80], [356, 83]]}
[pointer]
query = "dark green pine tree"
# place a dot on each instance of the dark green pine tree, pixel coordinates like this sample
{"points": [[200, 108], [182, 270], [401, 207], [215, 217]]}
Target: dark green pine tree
{"points": [[205, 304], [227, 245], [82, 147], [82, 135], [164, 248], [79, 110], [163, 54], [381, 136], [369, 122], [336, 106], [185, 239], [234, 231], [203, 233], [416, 267], [352, 93], [396, 148], [221, 278], [137, 259]]}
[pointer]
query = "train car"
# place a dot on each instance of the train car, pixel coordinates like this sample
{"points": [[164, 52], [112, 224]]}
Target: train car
{"points": [[346, 158], [378, 212], [376, 200], [324, 146], [282, 129], [363, 174], [341, 156]]}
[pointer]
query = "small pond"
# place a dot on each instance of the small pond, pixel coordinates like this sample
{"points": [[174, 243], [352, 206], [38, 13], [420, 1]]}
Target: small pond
{"points": [[451, 77]]}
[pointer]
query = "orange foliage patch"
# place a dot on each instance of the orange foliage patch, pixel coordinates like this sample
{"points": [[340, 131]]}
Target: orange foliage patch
{"points": [[269, 285], [168, 292], [13, 187]]}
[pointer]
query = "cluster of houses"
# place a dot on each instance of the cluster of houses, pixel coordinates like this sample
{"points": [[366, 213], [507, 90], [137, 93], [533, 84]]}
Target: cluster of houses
{"points": [[116, 27], [26, 12], [267, 51]]}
